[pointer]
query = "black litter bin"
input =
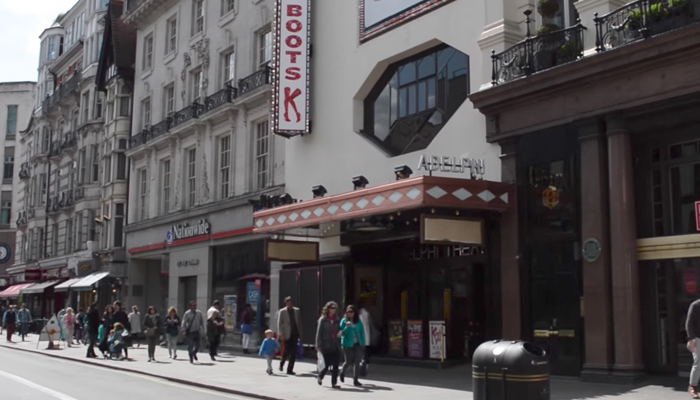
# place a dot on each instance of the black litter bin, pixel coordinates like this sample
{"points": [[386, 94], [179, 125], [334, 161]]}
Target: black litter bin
{"points": [[503, 370]]}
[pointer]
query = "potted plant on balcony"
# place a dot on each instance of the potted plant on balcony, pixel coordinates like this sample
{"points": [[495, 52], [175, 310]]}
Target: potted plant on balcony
{"points": [[569, 51], [548, 8]]}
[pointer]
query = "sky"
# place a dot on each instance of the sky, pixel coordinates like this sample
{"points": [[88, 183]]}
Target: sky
{"points": [[21, 23]]}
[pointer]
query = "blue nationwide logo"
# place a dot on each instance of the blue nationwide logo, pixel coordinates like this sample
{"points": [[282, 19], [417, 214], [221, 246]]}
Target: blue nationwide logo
{"points": [[169, 237]]}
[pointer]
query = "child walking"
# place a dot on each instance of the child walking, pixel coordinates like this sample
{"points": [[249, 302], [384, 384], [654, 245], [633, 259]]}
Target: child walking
{"points": [[268, 348]]}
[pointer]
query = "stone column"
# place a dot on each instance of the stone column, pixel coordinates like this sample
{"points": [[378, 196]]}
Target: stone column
{"points": [[510, 251], [623, 241], [595, 223]]}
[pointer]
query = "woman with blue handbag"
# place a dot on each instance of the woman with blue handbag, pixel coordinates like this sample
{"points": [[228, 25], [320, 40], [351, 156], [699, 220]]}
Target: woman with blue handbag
{"points": [[246, 327]]}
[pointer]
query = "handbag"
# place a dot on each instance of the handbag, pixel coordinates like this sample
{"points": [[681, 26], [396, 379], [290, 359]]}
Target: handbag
{"points": [[321, 362], [363, 368]]}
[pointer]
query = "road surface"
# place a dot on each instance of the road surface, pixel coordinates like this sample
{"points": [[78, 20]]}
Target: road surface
{"points": [[26, 376]]}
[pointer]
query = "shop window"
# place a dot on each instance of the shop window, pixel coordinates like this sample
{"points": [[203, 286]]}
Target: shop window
{"points": [[415, 98], [685, 190]]}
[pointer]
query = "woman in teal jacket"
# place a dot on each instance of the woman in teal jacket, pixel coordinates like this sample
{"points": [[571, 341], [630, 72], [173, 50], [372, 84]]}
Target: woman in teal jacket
{"points": [[353, 342]]}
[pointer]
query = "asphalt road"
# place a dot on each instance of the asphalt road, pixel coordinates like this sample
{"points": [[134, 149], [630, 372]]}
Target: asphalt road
{"points": [[26, 376]]}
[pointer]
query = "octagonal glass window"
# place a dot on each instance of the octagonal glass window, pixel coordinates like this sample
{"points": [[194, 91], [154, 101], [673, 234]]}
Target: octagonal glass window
{"points": [[415, 98]]}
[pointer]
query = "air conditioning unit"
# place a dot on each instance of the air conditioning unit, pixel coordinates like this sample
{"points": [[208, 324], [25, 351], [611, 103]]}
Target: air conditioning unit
{"points": [[92, 246]]}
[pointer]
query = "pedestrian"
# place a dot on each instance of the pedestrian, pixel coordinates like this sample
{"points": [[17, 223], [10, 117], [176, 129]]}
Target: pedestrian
{"points": [[152, 325], [135, 322], [9, 321], [289, 329], [327, 346], [79, 327], [115, 341], [370, 332], [121, 317], [172, 332], [215, 325], [692, 328], [69, 320], [192, 325], [215, 306], [246, 327], [353, 343], [268, 348], [24, 318], [93, 328]]}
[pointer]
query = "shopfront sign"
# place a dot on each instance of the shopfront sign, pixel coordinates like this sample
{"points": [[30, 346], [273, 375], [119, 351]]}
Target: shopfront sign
{"points": [[697, 216], [188, 263], [550, 197], [292, 48], [32, 275], [187, 231], [458, 165], [591, 250]]}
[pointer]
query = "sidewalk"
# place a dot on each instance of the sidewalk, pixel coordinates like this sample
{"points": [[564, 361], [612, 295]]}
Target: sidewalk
{"points": [[243, 375]]}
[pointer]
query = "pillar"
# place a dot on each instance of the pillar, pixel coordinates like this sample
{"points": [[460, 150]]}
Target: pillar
{"points": [[510, 251], [623, 246], [595, 223]]}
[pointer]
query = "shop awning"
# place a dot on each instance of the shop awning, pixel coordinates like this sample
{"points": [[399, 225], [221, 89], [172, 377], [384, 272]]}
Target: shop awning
{"points": [[39, 287], [87, 282], [66, 285], [402, 195], [13, 291]]}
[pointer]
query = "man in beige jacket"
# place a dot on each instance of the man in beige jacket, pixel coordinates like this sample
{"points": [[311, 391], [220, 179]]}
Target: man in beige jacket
{"points": [[289, 331]]}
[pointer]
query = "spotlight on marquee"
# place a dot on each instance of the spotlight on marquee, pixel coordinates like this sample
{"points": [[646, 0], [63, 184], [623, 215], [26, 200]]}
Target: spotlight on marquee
{"points": [[359, 182], [318, 191], [403, 172]]}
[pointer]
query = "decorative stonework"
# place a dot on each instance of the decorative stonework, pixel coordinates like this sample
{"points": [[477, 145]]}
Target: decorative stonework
{"points": [[201, 51], [183, 75]]}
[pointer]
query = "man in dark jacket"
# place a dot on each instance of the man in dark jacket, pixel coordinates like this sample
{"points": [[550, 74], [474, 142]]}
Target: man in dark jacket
{"points": [[93, 327], [692, 327], [9, 319]]}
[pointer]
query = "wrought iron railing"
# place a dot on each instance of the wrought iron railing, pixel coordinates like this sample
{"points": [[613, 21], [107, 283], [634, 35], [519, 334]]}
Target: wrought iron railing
{"points": [[55, 148], [70, 141], [188, 113], [63, 90], [641, 19], [537, 53], [25, 171], [218, 99], [254, 81], [136, 141], [159, 129], [132, 5]]}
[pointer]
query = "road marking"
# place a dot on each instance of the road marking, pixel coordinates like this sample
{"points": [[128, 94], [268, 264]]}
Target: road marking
{"points": [[45, 390]]}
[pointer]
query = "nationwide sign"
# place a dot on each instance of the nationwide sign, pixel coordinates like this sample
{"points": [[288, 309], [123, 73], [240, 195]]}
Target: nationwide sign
{"points": [[378, 16], [290, 65], [186, 231]]}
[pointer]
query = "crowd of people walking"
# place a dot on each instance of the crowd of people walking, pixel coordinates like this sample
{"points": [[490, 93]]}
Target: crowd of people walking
{"points": [[112, 332]]}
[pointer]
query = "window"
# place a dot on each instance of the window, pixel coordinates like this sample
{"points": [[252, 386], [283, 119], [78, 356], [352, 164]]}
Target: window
{"points": [[148, 52], [171, 35], [124, 106], [8, 169], [197, 17], [191, 176], [69, 235], [54, 240], [265, 42], [85, 103], [41, 253], [165, 186], [81, 165], [92, 231], [262, 155], [30, 192], [197, 86], [52, 48], [44, 184], [56, 182], [121, 166], [12, 119], [224, 166], [415, 98], [108, 169], [119, 225], [143, 187], [6, 212], [146, 114], [98, 105], [227, 6], [80, 241], [45, 139], [229, 61], [169, 99], [94, 156], [564, 17]]}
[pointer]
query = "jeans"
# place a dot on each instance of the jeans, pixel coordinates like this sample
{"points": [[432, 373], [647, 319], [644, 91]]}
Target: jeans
{"points": [[193, 343], [353, 356], [246, 341], [152, 346], [172, 344], [269, 363], [290, 353], [695, 371], [332, 359]]}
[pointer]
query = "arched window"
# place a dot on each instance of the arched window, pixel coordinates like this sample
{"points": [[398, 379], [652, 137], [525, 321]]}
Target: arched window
{"points": [[415, 98]]}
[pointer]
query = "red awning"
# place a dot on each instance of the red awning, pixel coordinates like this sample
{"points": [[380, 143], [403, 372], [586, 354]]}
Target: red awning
{"points": [[253, 276], [13, 291]]}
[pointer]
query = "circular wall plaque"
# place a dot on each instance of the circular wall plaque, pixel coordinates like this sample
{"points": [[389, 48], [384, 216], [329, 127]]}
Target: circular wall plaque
{"points": [[591, 250], [4, 253]]}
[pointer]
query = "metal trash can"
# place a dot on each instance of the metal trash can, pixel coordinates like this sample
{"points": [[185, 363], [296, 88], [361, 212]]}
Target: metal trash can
{"points": [[510, 370]]}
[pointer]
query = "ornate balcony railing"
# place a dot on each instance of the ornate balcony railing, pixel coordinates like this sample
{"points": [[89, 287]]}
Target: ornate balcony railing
{"points": [[70, 141], [132, 5], [136, 141], [218, 99], [188, 113], [537, 53], [25, 171], [254, 81], [642, 19], [159, 129], [62, 91], [55, 149]]}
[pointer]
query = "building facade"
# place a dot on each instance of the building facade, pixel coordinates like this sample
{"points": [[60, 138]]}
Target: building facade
{"points": [[16, 105], [65, 193], [200, 149]]}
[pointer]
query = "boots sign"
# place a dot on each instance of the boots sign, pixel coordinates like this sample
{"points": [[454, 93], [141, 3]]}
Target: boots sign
{"points": [[290, 64], [187, 231]]}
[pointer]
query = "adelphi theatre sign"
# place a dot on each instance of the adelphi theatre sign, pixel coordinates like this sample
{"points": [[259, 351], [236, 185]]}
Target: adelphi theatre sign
{"points": [[458, 165], [187, 231], [290, 67]]}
